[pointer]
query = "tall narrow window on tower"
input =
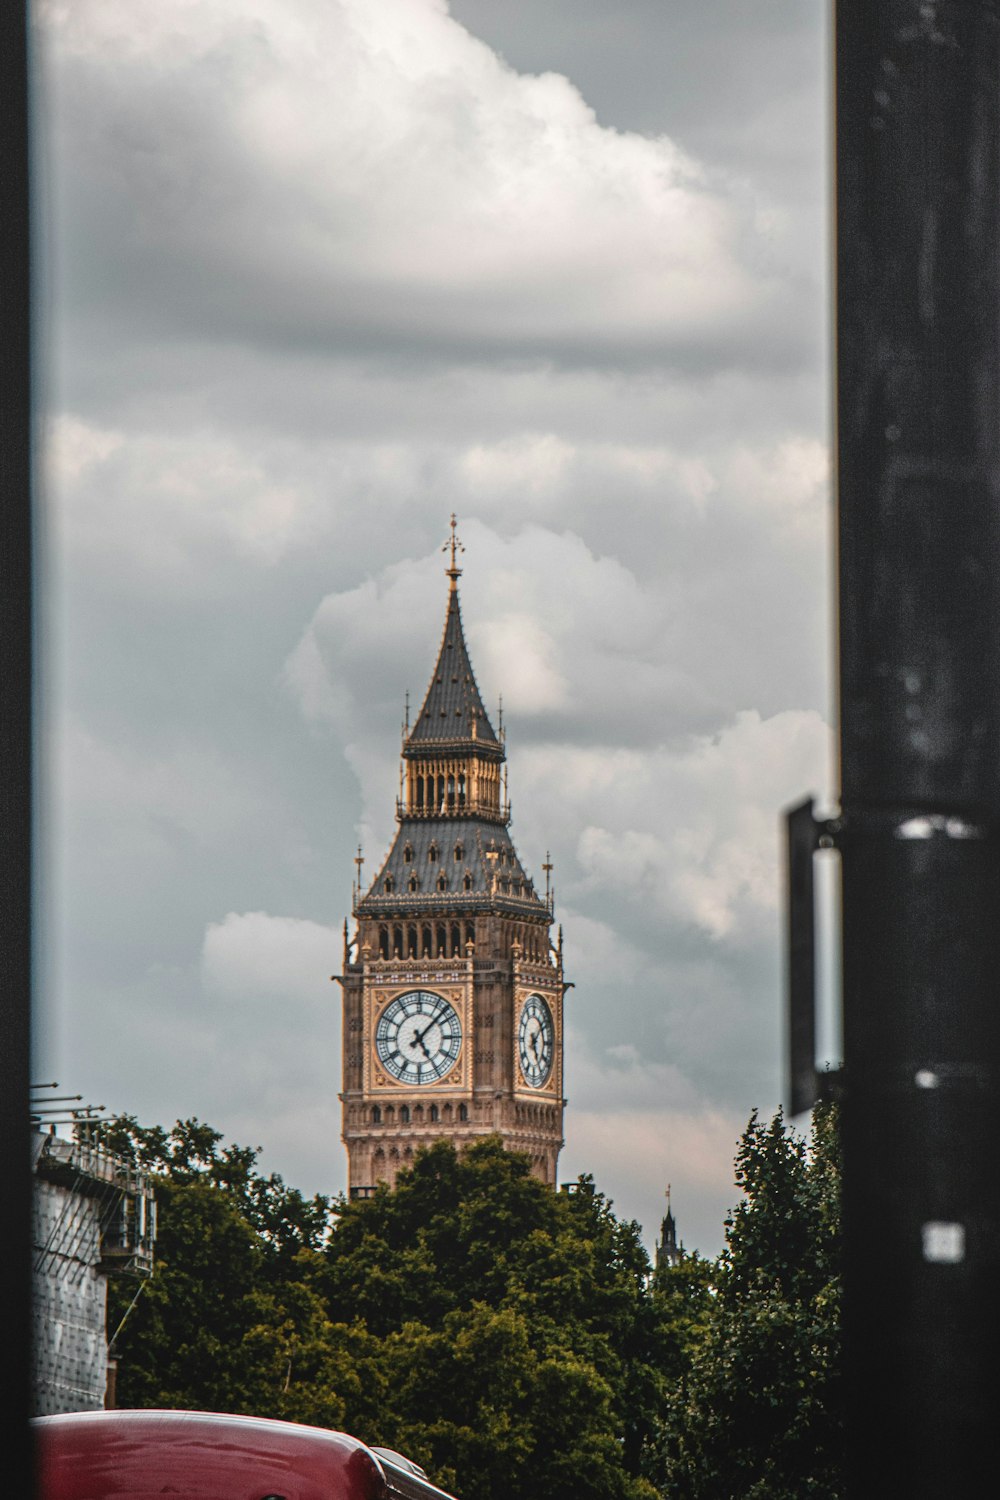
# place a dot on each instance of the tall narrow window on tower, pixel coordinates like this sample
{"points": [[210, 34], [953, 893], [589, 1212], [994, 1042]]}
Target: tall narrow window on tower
{"points": [[462, 1030]]}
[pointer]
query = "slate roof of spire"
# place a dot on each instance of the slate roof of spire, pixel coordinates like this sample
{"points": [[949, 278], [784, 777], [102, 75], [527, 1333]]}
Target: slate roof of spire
{"points": [[453, 701]]}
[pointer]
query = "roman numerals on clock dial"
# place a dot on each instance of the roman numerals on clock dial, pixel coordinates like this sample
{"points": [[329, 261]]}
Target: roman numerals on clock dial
{"points": [[418, 1037]]}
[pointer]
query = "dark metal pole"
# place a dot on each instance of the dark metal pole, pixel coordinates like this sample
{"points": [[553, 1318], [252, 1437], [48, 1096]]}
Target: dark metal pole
{"points": [[918, 381], [15, 737]]}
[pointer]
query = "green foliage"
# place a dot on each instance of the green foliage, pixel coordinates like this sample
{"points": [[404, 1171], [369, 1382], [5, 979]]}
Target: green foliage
{"points": [[511, 1339], [757, 1414]]}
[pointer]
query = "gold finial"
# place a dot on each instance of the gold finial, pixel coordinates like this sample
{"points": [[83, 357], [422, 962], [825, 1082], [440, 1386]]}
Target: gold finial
{"points": [[454, 545]]}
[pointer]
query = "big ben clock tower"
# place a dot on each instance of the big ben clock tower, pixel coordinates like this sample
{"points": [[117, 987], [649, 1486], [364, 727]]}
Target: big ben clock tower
{"points": [[452, 988]]}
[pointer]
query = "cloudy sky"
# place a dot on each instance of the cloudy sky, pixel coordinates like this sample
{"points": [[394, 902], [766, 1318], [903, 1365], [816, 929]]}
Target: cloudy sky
{"points": [[314, 274]]}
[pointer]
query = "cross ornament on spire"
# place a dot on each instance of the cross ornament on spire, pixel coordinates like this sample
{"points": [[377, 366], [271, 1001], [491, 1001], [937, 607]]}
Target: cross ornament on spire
{"points": [[454, 545]]}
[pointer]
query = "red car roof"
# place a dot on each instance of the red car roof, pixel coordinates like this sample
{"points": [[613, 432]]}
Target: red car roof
{"points": [[139, 1455]]}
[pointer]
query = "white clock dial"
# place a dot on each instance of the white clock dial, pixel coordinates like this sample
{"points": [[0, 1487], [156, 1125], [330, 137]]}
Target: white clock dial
{"points": [[418, 1037], [535, 1041]]}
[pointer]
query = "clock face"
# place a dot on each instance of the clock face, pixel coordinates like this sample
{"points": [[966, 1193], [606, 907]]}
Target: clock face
{"points": [[418, 1037], [535, 1041]]}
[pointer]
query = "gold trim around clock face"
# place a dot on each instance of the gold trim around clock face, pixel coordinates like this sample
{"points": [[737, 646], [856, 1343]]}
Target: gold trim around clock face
{"points": [[552, 1085], [377, 999]]}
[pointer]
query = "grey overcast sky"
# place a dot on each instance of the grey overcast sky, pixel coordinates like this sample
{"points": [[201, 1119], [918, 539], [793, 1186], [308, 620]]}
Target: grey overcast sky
{"points": [[314, 274]]}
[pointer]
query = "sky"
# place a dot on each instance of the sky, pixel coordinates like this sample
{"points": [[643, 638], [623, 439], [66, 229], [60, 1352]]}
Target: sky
{"points": [[313, 275]]}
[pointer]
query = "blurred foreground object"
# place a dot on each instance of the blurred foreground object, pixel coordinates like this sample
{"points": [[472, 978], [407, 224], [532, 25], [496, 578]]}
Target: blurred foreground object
{"points": [[918, 335]]}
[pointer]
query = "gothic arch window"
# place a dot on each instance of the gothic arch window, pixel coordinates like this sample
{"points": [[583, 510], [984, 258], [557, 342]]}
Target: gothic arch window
{"points": [[440, 793], [383, 942], [461, 789], [414, 883], [389, 884], [418, 1114], [435, 1114], [379, 1154], [425, 941], [456, 941], [451, 791], [376, 1115], [420, 791], [442, 881], [467, 882], [397, 942], [432, 854], [390, 1114], [447, 1113], [459, 851], [408, 854], [441, 941], [463, 1111], [470, 932], [411, 942], [404, 1114]]}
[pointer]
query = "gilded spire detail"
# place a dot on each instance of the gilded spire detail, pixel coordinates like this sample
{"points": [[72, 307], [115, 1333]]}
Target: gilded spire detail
{"points": [[454, 545]]}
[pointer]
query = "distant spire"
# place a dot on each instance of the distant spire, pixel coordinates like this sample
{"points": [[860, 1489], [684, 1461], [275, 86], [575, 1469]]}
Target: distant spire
{"points": [[668, 1252], [454, 545]]}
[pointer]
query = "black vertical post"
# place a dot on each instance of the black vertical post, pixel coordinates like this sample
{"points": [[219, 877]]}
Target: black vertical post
{"points": [[15, 740], [918, 380]]}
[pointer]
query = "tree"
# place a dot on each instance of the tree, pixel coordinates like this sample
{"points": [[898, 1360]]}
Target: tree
{"points": [[758, 1414], [516, 1324]]}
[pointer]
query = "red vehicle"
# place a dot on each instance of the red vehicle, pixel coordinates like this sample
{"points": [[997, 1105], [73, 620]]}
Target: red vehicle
{"points": [[196, 1455]]}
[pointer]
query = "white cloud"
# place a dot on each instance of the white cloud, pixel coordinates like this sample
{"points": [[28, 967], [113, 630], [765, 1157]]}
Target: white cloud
{"points": [[343, 167], [253, 956]]}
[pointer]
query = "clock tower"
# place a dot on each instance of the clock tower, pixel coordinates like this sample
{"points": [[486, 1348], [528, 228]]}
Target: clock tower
{"points": [[452, 987]]}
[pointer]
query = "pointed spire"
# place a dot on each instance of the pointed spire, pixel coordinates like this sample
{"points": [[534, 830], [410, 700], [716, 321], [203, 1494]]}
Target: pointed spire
{"points": [[453, 709]]}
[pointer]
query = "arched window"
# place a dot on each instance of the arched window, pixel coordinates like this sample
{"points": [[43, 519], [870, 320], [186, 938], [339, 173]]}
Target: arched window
{"points": [[389, 883], [425, 941], [435, 1114], [420, 791], [461, 789], [470, 932], [404, 1114], [390, 1114], [456, 940], [442, 881], [414, 883], [408, 854], [467, 882], [383, 942], [411, 942], [432, 854], [376, 1115], [463, 1111], [451, 791], [459, 851]]}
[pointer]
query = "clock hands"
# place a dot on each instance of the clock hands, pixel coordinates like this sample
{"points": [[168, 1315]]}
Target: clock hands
{"points": [[418, 1039]]}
